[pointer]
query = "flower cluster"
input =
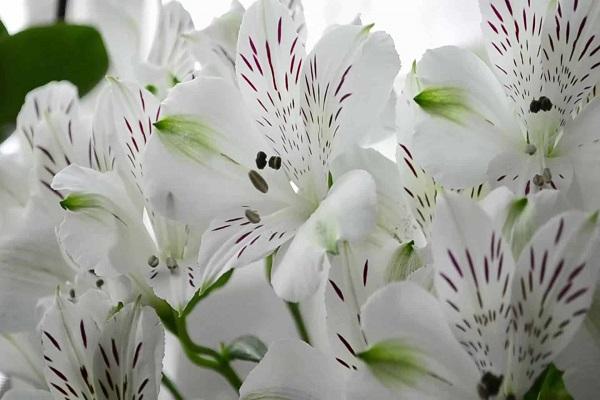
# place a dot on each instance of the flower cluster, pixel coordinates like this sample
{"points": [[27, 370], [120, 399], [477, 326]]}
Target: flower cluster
{"points": [[466, 268]]}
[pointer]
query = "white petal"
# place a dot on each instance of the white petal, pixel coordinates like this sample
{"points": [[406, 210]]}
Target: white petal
{"points": [[465, 102], [170, 54], [31, 267], [347, 213], [345, 84], [269, 63], [552, 291], [125, 115], [393, 214], [215, 46], [474, 267], [25, 394], [358, 271], [208, 138], [437, 367], [233, 240], [128, 358], [21, 358], [292, 370], [532, 57], [70, 334], [103, 229]]}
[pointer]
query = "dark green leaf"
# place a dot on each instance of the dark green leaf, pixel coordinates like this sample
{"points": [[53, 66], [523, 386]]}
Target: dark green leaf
{"points": [[38, 55], [549, 386], [247, 348], [3, 31]]}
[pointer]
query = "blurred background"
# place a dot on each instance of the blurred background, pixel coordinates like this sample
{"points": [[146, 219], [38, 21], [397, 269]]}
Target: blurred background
{"points": [[247, 305], [416, 25]]}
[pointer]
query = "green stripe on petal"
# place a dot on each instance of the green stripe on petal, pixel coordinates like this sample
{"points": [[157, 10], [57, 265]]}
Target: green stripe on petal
{"points": [[394, 363], [187, 135], [327, 235], [78, 201], [404, 262], [446, 102]]}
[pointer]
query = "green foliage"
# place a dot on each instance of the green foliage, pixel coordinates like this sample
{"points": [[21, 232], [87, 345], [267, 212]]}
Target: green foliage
{"points": [[549, 386], [3, 31], [39, 55]]}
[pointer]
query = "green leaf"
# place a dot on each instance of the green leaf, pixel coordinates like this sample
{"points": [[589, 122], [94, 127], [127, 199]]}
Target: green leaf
{"points": [[247, 348], [39, 55], [3, 31], [549, 386]]}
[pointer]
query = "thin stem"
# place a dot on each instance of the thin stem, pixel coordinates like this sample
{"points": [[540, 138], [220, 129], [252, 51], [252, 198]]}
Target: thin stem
{"points": [[170, 385], [294, 310]]}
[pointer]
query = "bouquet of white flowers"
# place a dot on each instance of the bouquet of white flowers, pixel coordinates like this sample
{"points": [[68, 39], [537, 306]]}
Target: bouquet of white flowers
{"points": [[466, 268]]}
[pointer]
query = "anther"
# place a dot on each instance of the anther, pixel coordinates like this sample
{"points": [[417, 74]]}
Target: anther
{"points": [[153, 261], [258, 181], [72, 293], [99, 283], [547, 174], [261, 159], [545, 103], [489, 385], [538, 180], [171, 264], [275, 162], [530, 149], [252, 216], [535, 106]]}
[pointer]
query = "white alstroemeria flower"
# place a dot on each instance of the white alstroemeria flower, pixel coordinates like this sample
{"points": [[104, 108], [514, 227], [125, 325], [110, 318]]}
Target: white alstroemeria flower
{"points": [[53, 135], [109, 227], [513, 318], [170, 60], [93, 350], [515, 123], [306, 109], [292, 370]]}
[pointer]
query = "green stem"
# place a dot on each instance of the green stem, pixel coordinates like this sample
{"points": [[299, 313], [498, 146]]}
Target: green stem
{"points": [[294, 310], [170, 385]]}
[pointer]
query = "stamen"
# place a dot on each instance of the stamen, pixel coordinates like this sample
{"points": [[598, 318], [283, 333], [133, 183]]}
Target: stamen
{"points": [[258, 181], [530, 149], [252, 216], [545, 103], [99, 283], [261, 159], [275, 162], [539, 181], [542, 104], [171, 264], [547, 175], [534, 107], [72, 293], [489, 385], [153, 261]]}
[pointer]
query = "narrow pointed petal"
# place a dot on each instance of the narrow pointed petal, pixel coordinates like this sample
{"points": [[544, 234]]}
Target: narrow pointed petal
{"points": [[27, 394], [21, 358], [128, 358], [474, 270], [237, 239], [345, 84], [356, 273]]}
